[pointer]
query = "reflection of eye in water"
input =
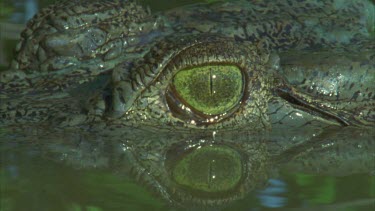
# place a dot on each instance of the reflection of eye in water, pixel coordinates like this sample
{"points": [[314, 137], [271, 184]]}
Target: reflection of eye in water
{"points": [[186, 169], [201, 171], [208, 169]]}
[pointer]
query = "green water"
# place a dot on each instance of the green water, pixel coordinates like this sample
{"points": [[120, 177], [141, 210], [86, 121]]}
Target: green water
{"points": [[32, 182], [31, 178]]}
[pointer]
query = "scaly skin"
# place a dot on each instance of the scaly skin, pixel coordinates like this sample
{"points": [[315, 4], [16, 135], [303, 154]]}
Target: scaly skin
{"points": [[107, 68]]}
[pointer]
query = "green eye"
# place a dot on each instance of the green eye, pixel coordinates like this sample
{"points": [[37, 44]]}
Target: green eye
{"points": [[211, 89], [209, 169]]}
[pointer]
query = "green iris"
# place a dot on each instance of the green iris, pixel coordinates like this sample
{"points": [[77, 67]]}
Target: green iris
{"points": [[211, 89], [209, 169]]}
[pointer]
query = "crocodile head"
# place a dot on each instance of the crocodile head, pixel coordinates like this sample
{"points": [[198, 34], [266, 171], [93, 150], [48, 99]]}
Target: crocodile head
{"points": [[200, 99]]}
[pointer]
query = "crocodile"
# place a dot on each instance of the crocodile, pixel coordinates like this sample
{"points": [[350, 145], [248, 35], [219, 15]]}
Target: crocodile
{"points": [[163, 96]]}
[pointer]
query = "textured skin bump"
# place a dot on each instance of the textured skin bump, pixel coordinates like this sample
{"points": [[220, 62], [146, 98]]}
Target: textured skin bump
{"points": [[70, 32]]}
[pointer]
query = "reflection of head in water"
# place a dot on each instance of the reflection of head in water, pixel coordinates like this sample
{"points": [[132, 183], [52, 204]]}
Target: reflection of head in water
{"points": [[200, 170], [184, 168]]}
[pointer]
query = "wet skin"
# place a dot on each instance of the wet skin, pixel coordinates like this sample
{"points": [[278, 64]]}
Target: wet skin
{"points": [[251, 83]]}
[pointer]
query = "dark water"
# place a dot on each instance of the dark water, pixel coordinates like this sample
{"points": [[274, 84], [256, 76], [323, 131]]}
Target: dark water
{"points": [[53, 172], [32, 182]]}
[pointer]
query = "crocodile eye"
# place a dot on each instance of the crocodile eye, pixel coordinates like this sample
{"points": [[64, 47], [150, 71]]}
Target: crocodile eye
{"points": [[210, 89], [209, 169]]}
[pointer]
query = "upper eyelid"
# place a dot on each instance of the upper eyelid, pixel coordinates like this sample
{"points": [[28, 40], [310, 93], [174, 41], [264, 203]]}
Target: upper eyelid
{"points": [[152, 65], [128, 84], [146, 70]]}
